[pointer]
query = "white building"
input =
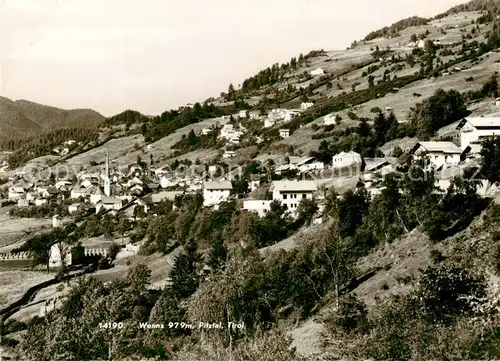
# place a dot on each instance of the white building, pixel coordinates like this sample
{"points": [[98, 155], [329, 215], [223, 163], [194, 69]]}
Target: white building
{"points": [[290, 193], [309, 164], [254, 182], [242, 114], [107, 203], [317, 72], [438, 153], [56, 221], [229, 154], [346, 159], [74, 208], [261, 207], [59, 255], [285, 133], [15, 193], [206, 131], [305, 106], [329, 119], [215, 192], [474, 130], [230, 133]]}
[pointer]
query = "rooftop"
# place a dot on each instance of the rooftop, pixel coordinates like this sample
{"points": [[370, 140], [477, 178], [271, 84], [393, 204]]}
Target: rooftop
{"points": [[295, 186], [444, 147], [226, 185], [480, 122]]}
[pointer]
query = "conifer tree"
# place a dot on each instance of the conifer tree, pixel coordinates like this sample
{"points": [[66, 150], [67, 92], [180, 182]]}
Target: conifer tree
{"points": [[218, 253], [184, 278]]}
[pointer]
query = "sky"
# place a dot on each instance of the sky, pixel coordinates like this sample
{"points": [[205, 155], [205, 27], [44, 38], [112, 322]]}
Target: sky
{"points": [[154, 55]]}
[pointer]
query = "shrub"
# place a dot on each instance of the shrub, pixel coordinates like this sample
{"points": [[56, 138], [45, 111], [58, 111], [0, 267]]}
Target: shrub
{"points": [[444, 292], [352, 116], [375, 110]]}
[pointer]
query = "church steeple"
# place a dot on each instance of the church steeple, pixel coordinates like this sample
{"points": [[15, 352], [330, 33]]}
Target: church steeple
{"points": [[107, 180]]}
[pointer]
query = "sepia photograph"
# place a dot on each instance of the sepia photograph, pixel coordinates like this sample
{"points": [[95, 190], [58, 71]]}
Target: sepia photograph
{"points": [[215, 180]]}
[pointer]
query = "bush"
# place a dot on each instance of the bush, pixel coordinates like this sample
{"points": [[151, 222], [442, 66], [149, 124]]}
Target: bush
{"points": [[351, 316], [375, 110], [352, 116], [444, 292]]}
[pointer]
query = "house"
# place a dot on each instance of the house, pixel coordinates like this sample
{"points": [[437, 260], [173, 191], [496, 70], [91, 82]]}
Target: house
{"points": [[308, 164], [15, 193], [75, 208], [380, 166], [215, 192], [131, 208], [242, 114], [254, 182], [438, 153], [290, 193], [285, 133], [22, 202], [56, 221], [305, 106], [317, 72], [108, 203], [206, 131], [474, 130], [346, 159], [39, 202], [228, 154], [59, 256], [96, 195], [261, 207], [329, 119], [78, 192], [165, 195]]}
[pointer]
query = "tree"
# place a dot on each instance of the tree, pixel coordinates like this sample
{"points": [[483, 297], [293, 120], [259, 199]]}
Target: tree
{"points": [[350, 211], [218, 253], [352, 315], [183, 275], [414, 38], [371, 83], [364, 129], [230, 91], [240, 186], [490, 166], [306, 210], [490, 88], [442, 108], [397, 151], [444, 292]]}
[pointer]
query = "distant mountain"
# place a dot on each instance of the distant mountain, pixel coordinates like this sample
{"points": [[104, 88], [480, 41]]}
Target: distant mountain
{"points": [[22, 118]]}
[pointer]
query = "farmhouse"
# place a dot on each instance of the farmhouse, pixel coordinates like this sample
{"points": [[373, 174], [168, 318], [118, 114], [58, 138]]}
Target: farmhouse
{"points": [[474, 130], [305, 106], [261, 207], [215, 192], [285, 133], [346, 159], [254, 182], [317, 72], [290, 193], [438, 153]]}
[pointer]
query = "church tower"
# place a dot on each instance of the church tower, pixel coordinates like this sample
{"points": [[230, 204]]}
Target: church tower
{"points": [[107, 181]]}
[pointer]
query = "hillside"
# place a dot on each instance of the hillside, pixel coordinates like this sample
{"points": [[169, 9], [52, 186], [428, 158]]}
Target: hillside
{"points": [[458, 51], [22, 118]]}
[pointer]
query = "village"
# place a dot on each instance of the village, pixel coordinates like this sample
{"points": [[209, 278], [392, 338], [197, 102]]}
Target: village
{"points": [[132, 191]]}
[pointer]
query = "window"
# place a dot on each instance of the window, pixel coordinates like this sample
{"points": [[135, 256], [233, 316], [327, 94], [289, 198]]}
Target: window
{"points": [[304, 196], [284, 196]]}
